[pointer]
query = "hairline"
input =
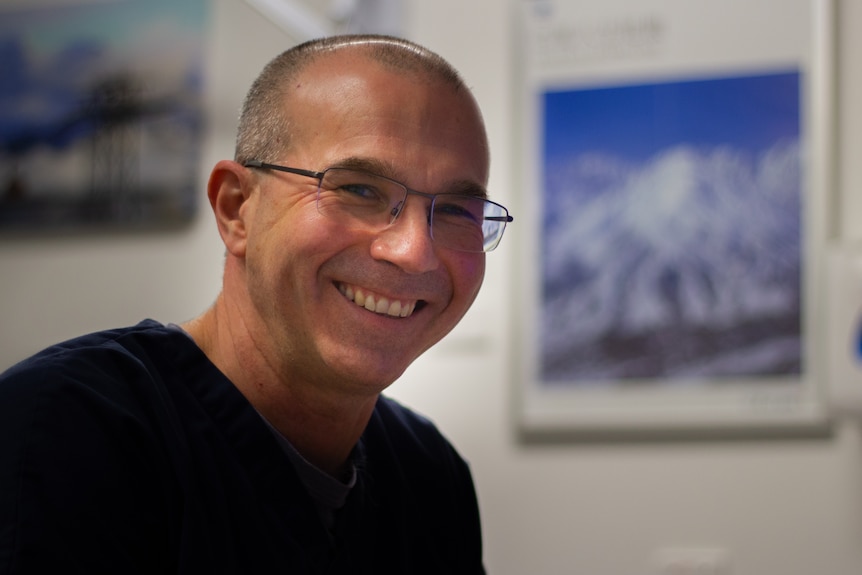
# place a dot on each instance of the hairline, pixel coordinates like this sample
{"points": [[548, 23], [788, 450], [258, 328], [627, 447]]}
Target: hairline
{"points": [[264, 128]]}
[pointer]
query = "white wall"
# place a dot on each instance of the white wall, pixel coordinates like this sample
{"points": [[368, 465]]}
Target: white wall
{"points": [[781, 507]]}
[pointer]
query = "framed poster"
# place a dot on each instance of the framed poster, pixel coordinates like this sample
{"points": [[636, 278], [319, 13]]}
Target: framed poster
{"points": [[101, 122], [673, 189]]}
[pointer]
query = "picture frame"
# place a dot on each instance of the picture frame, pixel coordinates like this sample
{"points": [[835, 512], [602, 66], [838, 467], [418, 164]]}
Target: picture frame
{"points": [[672, 217], [103, 120]]}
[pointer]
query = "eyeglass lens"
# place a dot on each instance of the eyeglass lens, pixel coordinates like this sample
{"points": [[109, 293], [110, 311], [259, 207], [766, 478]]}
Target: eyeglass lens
{"points": [[457, 221]]}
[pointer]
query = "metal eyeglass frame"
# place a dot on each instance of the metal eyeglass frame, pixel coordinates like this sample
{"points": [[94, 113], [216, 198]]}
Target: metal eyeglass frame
{"points": [[400, 206]]}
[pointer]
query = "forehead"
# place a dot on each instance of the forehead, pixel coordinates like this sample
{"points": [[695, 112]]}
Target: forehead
{"points": [[345, 99]]}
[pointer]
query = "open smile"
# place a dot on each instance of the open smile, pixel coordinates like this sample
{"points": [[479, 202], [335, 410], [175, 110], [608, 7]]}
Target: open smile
{"points": [[378, 303]]}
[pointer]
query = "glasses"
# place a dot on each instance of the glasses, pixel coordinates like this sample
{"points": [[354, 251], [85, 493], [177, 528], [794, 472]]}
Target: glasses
{"points": [[456, 221]]}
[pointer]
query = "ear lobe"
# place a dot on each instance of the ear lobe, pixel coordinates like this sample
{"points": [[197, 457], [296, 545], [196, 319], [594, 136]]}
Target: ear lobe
{"points": [[229, 189]]}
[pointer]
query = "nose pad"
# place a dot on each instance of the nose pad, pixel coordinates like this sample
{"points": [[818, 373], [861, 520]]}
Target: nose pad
{"points": [[399, 208], [396, 211]]}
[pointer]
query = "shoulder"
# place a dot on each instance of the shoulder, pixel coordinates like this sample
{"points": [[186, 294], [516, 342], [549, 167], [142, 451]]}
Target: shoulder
{"points": [[395, 414], [81, 380], [105, 387], [89, 359], [413, 440], [109, 339], [78, 448], [406, 423], [417, 473], [102, 387]]}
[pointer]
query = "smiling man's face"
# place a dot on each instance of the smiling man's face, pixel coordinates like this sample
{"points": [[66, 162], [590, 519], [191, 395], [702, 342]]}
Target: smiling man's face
{"points": [[342, 305]]}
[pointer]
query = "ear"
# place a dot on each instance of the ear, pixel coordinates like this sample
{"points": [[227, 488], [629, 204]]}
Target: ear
{"points": [[229, 189]]}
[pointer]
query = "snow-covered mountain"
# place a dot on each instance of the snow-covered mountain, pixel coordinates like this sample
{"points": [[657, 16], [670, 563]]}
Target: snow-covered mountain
{"points": [[686, 266]]}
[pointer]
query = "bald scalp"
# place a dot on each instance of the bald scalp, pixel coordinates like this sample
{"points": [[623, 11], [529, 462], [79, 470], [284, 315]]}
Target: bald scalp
{"points": [[264, 129]]}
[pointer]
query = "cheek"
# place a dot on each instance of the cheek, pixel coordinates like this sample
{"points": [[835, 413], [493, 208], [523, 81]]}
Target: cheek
{"points": [[285, 227], [468, 272]]}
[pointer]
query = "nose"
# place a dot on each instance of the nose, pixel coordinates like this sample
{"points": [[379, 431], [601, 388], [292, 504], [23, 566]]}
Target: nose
{"points": [[406, 242]]}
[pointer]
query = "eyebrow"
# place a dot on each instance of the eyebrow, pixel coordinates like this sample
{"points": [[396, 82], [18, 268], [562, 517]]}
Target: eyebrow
{"points": [[387, 170], [372, 165]]}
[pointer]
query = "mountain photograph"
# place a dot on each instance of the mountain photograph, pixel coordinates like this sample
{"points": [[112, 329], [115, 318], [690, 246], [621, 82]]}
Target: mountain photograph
{"points": [[672, 233]]}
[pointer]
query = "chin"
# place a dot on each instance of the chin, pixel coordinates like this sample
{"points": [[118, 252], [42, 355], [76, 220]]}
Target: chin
{"points": [[369, 376]]}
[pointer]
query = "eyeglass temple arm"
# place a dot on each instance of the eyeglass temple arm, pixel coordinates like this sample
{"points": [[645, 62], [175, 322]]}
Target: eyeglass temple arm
{"points": [[266, 166], [396, 211]]}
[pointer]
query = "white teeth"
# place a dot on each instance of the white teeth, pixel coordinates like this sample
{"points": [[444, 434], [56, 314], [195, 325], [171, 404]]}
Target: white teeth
{"points": [[377, 304], [382, 306], [395, 309]]}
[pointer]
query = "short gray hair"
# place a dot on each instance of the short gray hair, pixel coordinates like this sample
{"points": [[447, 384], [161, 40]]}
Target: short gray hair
{"points": [[264, 132]]}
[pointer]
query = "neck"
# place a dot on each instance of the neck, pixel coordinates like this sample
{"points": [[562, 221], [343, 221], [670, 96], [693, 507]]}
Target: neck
{"points": [[320, 423]]}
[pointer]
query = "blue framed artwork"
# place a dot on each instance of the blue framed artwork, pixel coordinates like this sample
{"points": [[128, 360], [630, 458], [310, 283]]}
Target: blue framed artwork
{"points": [[671, 231], [101, 120], [676, 218]]}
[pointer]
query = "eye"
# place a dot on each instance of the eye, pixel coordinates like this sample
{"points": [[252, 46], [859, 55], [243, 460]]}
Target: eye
{"points": [[360, 191], [464, 209]]}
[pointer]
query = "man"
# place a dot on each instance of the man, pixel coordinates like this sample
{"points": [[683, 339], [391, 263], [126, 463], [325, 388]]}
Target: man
{"points": [[255, 439]]}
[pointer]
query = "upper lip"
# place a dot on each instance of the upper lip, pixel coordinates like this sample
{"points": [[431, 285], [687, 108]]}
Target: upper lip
{"points": [[376, 302]]}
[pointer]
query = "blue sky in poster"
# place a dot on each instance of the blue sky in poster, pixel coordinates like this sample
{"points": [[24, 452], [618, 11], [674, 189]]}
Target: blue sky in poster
{"points": [[747, 113]]}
